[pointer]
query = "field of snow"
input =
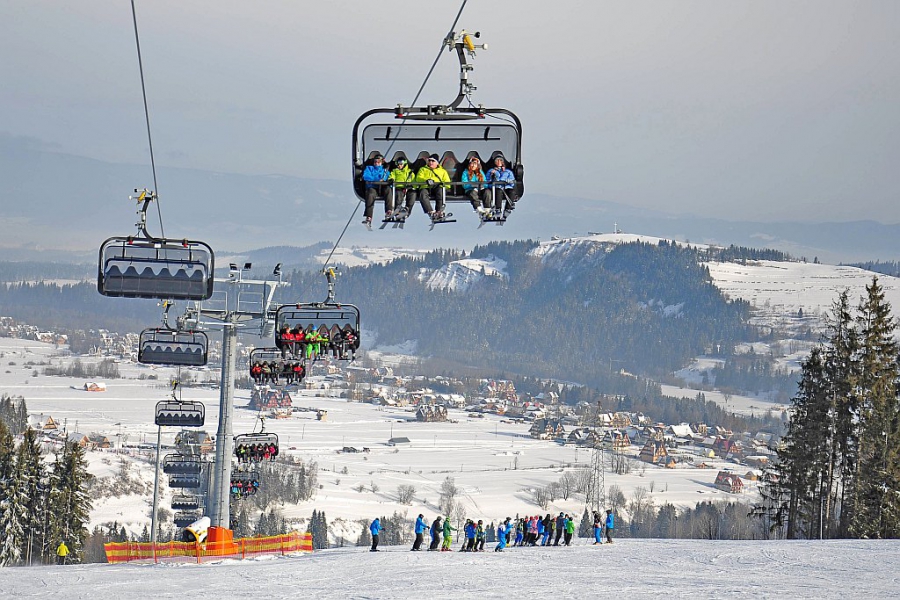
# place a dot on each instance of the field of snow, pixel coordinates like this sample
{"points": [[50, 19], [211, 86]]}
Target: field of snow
{"points": [[626, 569], [494, 462]]}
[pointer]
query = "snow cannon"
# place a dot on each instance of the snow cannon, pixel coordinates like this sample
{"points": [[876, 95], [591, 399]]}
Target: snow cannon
{"points": [[196, 531]]}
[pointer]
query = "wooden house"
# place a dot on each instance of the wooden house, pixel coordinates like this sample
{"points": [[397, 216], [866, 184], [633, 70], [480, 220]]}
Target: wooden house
{"points": [[729, 482], [654, 451], [547, 429]]}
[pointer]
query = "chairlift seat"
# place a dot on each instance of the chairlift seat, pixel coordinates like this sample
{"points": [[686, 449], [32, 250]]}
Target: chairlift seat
{"points": [[169, 347], [182, 464], [156, 268], [172, 413], [185, 518], [184, 481], [454, 139], [185, 502]]}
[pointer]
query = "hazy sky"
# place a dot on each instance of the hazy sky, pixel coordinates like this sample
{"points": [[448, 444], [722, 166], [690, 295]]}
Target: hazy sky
{"points": [[758, 109]]}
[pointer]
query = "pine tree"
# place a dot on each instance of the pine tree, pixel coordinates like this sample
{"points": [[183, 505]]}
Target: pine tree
{"points": [[10, 522], [30, 496], [586, 525], [69, 502], [841, 371], [876, 504], [262, 526]]}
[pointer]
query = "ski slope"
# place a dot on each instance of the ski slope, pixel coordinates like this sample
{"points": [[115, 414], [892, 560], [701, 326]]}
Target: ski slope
{"points": [[632, 569]]}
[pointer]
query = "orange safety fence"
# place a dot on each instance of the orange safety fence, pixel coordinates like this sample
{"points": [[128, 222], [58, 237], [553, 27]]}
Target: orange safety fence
{"points": [[118, 552]]}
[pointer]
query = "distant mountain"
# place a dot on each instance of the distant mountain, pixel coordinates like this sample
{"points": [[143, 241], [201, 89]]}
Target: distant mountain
{"points": [[59, 207]]}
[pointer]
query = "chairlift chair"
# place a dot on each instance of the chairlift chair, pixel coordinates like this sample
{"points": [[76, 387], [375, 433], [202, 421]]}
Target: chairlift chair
{"points": [[175, 413], [160, 346], [142, 266], [184, 481], [185, 502], [184, 518], [182, 464], [454, 132]]}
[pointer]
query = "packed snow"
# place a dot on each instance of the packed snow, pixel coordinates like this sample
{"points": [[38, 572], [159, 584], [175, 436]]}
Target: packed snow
{"points": [[625, 569]]}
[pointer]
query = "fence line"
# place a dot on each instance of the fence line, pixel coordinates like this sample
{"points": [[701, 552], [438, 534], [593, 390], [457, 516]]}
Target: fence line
{"points": [[119, 552]]}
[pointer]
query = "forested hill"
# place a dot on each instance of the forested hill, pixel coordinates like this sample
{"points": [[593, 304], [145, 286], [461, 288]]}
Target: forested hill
{"points": [[579, 313]]}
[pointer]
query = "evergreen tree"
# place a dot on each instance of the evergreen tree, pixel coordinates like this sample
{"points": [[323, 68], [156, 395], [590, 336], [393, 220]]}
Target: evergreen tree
{"points": [[69, 502], [30, 496], [586, 525], [10, 517], [876, 503], [262, 526]]}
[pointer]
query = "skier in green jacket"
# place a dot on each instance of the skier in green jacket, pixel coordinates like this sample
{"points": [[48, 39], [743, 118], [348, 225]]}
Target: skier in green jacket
{"points": [[448, 536]]}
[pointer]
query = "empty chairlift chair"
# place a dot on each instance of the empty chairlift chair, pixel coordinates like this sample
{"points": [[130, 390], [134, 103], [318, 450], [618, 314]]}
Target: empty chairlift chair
{"points": [[170, 347], [173, 413], [143, 267]]}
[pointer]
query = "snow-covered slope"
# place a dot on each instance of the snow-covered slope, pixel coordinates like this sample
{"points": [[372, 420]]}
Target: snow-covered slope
{"points": [[626, 569], [460, 275]]}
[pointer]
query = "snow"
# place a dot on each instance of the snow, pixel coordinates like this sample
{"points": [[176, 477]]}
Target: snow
{"points": [[460, 275], [495, 463], [626, 569]]}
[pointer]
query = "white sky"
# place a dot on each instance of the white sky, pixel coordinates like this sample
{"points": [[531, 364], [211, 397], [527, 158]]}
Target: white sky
{"points": [[758, 109]]}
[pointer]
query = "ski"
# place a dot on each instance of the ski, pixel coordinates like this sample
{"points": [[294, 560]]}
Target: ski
{"points": [[445, 219]]}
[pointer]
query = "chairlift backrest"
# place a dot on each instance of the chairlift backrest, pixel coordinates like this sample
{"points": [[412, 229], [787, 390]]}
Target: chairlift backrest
{"points": [[169, 347], [172, 413], [249, 439], [185, 501], [184, 481], [315, 315], [185, 518], [133, 267], [182, 464], [261, 355]]}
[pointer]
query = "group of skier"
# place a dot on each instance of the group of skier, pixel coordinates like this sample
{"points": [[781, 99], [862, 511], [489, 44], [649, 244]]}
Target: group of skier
{"points": [[526, 531], [265, 372], [313, 343], [401, 186]]}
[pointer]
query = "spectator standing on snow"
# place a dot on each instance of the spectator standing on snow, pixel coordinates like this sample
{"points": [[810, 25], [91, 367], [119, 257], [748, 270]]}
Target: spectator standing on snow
{"points": [[375, 529]]}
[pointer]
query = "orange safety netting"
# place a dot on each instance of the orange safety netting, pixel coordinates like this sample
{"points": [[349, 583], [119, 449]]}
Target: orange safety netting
{"points": [[118, 552]]}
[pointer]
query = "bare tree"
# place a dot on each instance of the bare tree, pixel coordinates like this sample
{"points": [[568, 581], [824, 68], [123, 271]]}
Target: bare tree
{"points": [[449, 492], [541, 497], [405, 493], [567, 484]]}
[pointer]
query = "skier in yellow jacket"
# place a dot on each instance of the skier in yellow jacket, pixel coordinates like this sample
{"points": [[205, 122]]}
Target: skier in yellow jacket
{"points": [[432, 179]]}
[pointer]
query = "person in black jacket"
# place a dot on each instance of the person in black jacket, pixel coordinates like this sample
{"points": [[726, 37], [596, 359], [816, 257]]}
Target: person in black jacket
{"points": [[437, 529], [560, 527]]}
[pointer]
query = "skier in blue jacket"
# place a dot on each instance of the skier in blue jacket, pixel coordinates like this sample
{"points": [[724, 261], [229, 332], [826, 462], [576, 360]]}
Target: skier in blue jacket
{"points": [[375, 529], [610, 525], [371, 174], [420, 529], [503, 185], [503, 530]]}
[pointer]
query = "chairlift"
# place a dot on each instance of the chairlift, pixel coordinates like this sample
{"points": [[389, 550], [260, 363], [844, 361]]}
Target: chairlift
{"points": [[175, 413], [182, 464], [184, 481], [184, 518], [185, 502], [161, 346], [454, 132], [256, 447], [141, 266]]}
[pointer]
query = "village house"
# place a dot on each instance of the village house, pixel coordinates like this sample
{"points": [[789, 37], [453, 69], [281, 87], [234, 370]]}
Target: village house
{"points": [[729, 482], [654, 451], [547, 429]]}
